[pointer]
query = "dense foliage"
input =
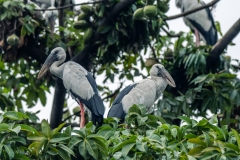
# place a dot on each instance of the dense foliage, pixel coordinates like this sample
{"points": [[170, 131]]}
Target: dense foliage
{"points": [[144, 137], [118, 46]]}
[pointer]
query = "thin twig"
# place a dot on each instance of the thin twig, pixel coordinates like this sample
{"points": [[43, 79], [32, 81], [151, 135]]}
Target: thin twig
{"points": [[153, 50], [70, 5], [75, 114], [172, 35], [193, 10], [114, 93]]}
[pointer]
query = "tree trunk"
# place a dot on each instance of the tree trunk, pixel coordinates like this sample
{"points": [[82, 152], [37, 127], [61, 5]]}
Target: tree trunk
{"points": [[58, 103]]}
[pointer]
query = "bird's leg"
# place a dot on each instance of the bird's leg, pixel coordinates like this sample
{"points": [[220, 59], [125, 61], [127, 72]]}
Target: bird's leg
{"points": [[82, 122], [197, 37]]}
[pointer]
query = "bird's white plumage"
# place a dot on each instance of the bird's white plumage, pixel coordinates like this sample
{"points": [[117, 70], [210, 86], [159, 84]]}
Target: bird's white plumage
{"points": [[70, 79], [146, 92], [200, 17]]}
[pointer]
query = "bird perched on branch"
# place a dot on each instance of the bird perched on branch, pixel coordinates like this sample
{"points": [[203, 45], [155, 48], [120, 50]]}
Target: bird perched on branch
{"points": [[51, 16], [145, 92], [201, 22], [78, 82]]}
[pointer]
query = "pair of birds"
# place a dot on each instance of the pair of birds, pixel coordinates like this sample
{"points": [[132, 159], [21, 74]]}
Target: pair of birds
{"points": [[83, 88]]}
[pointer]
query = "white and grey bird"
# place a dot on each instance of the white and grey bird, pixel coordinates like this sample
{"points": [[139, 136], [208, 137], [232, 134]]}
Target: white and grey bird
{"points": [[78, 82], [201, 22], [145, 92], [44, 4], [51, 16]]}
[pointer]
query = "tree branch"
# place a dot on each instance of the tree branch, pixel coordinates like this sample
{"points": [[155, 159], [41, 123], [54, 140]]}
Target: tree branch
{"points": [[60, 92], [219, 47], [172, 35], [114, 93], [58, 102], [68, 6], [193, 10], [75, 114], [117, 9]]}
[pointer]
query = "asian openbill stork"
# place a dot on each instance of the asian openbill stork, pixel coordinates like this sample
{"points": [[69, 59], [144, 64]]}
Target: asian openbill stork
{"points": [[78, 82], [145, 92], [201, 22]]}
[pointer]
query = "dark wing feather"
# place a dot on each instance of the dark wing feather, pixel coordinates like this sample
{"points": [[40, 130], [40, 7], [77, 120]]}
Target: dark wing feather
{"points": [[211, 35], [117, 108]]}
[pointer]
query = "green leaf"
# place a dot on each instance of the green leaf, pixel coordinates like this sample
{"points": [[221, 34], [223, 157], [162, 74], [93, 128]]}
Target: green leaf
{"points": [[106, 131], [199, 79], [119, 146], [74, 141], [232, 147], [13, 115], [83, 149], [6, 4], [36, 137], [209, 155], [21, 157], [63, 154], [208, 149], [42, 96], [27, 128], [127, 148], [190, 135], [196, 141], [56, 140], [66, 149], [235, 133], [195, 151], [213, 120], [92, 148], [185, 119], [55, 131], [207, 139], [3, 126], [9, 151], [45, 128]]}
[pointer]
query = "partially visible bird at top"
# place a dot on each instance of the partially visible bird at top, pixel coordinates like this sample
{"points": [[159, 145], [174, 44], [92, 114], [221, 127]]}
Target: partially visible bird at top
{"points": [[201, 22], [145, 92], [78, 82], [44, 4], [51, 16]]}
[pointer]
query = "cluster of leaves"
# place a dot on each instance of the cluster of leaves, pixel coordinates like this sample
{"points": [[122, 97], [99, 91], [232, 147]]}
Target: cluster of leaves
{"points": [[144, 136]]}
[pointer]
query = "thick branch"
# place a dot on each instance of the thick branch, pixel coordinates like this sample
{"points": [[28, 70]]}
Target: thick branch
{"points": [[117, 9], [57, 106], [219, 47], [59, 95], [193, 10]]}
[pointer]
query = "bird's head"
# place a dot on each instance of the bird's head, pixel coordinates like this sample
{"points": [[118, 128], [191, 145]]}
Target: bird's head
{"points": [[57, 54], [158, 70]]}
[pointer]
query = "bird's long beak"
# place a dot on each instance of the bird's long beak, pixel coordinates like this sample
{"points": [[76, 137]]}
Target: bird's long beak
{"points": [[167, 77], [47, 64]]}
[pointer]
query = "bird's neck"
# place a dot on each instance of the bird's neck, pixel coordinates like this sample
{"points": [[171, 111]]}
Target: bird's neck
{"points": [[161, 84], [57, 69]]}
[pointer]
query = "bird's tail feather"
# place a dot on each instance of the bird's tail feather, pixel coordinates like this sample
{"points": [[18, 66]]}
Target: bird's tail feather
{"points": [[99, 109], [117, 111]]}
